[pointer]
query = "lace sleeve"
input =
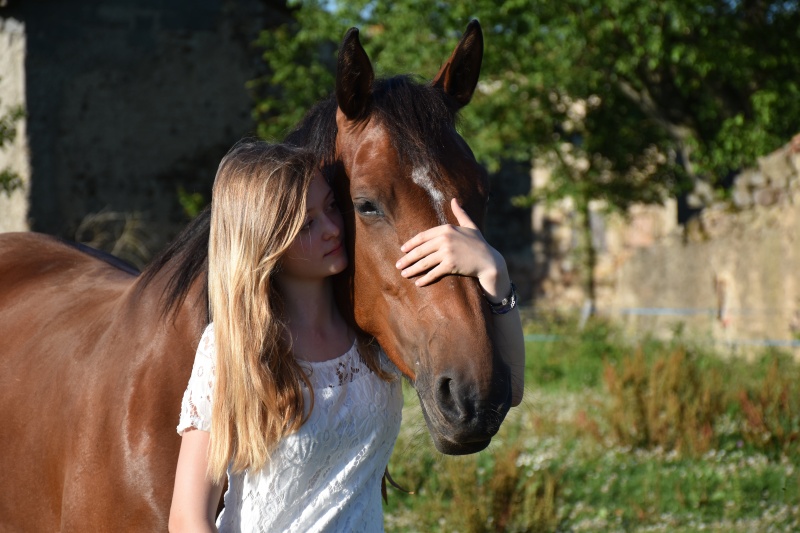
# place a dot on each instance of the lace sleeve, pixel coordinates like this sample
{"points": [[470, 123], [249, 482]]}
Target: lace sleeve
{"points": [[196, 404]]}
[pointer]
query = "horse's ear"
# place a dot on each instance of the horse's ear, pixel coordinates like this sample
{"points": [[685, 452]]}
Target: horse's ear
{"points": [[458, 77], [354, 77]]}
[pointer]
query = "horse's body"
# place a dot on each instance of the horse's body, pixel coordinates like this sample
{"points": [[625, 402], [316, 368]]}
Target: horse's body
{"points": [[87, 377], [94, 359]]}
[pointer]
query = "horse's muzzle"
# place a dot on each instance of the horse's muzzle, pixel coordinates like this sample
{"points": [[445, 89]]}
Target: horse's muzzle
{"points": [[460, 421]]}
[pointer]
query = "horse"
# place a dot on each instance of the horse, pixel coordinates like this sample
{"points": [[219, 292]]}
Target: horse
{"points": [[94, 357]]}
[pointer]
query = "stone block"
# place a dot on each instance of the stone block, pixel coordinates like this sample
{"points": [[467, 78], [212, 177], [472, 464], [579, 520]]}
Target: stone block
{"points": [[701, 196], [776, 168], [755, 178], [795, 158], [741, 197], [767, 196]]}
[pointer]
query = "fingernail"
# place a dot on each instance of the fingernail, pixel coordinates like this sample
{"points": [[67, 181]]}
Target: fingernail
{"points": [[397, 265]]}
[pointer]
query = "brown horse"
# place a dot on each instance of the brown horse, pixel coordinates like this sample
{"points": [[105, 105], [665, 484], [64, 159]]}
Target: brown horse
{"points": [[94, 358]]}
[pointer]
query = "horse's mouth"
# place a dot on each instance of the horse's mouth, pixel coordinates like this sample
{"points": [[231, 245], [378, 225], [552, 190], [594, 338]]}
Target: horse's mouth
{"points": [[448, 446]]}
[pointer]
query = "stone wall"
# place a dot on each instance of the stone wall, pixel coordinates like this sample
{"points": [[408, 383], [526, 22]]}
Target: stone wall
{"points": [[128, 102], [730, 276]]}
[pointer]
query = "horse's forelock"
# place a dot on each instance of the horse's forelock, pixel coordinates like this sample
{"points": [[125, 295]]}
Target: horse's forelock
{"points": [[417, 117]]}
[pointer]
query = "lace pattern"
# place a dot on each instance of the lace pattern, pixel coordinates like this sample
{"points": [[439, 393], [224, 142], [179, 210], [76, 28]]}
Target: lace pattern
{"points": [[325, 477]]}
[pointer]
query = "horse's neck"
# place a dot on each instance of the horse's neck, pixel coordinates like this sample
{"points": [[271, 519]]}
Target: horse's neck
{"points": [[186, 313]]}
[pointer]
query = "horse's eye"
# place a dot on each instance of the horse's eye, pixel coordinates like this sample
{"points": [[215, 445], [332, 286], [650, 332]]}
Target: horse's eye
{"points": [[367, 208]]}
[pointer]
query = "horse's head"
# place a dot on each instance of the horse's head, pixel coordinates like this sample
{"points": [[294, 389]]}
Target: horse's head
{"points": [[400, 162]]}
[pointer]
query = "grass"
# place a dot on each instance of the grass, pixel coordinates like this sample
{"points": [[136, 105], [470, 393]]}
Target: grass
{"points": [[660, 436]]}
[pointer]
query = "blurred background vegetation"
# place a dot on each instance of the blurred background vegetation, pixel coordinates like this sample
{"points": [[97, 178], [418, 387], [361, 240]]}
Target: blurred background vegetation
{"points": [[649, 96], [627, 102], [617, 435]]}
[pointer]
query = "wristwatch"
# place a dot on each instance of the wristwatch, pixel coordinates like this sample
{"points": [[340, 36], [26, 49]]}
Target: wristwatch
{"points": [[506, 304]]}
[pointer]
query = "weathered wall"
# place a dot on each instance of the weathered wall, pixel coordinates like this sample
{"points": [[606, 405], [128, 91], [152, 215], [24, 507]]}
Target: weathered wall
{"points": [[737, 286], [14, 154], [731, 276], [130, 100]]}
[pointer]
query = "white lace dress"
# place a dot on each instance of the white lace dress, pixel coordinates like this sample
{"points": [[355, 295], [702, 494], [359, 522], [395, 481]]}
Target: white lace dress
{"points": [[325, 477]]}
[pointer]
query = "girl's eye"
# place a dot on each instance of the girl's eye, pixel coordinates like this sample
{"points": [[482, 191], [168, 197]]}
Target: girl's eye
{"points": [[332, 206], [306, 226]]}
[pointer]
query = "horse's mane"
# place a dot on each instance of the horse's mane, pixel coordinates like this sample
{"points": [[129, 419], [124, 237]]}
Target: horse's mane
{"points": [[112, 260], [189, 253], [417, 116]]}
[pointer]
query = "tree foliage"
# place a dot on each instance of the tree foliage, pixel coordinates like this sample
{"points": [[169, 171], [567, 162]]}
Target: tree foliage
{"points": [[625, 98], [9, 180]]}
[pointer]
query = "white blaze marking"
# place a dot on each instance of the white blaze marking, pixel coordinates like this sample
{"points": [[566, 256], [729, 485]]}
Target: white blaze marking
{"points": [[422, 177]]}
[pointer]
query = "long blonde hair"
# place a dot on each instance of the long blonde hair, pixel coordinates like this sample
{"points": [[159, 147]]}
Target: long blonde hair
{"points": [[258, 208]]}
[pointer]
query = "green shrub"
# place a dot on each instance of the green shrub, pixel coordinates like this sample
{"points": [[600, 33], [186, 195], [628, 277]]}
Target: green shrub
{"points": [[505, 500], [668, 404], [771, 414]]}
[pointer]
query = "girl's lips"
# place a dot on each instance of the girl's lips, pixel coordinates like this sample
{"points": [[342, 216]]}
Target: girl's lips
{"points": [[335, 250]]}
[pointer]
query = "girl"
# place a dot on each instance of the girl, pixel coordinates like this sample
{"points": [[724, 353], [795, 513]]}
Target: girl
{"points": [[304, 413]]}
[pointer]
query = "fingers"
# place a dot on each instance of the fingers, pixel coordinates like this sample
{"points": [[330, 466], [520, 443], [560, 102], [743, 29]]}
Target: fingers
{"points": [[445, 250], [422, 238], [420, 258], [461, 215], [440, 271], [463, 221]]}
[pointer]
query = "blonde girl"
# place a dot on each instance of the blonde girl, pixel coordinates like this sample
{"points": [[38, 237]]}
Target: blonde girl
{"points": [[285, 402]]}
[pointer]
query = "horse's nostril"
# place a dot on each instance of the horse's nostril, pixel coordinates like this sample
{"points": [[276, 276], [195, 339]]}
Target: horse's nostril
{"points": [[443, 390], [447, 398]]}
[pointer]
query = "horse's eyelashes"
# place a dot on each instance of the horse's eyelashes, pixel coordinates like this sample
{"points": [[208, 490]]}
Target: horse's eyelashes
{"points": [[367, 208]]}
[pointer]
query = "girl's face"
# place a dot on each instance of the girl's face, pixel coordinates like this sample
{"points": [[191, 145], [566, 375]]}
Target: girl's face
{"points": [[318, 250]]}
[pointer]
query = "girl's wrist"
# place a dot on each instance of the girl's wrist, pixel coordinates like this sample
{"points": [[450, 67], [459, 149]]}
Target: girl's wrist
{"points": [[495, 281]]}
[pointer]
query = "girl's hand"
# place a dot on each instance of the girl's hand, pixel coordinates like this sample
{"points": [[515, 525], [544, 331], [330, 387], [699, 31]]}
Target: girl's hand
{"points": [[461, 250]]}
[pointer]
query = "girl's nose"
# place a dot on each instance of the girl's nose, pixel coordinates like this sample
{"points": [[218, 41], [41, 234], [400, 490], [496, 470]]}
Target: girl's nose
{"points": [[331, 229]]}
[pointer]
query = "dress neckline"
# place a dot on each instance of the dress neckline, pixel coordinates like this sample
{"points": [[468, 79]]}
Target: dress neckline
{"points": [[334, 361]]}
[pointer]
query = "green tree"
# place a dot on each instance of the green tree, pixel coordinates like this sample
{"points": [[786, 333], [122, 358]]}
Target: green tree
{"points": [[9, 180], [627, 100]]}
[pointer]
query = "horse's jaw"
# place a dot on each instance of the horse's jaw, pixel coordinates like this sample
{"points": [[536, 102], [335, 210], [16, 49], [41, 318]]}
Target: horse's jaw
{"points": [[463, 386]]}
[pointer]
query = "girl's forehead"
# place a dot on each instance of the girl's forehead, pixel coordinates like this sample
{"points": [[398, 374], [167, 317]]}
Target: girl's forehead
{"points": [[318, 190]]}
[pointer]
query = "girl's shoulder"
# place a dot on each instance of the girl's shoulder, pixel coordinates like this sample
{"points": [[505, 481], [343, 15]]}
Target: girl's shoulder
{"points": [[206, 346]]}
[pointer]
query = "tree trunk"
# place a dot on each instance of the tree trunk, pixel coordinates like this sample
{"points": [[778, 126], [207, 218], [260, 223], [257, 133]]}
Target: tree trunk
{"points": [[589, 252]]}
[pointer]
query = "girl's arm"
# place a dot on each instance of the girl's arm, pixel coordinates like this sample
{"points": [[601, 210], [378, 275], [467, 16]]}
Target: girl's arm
{"points": [[195, 497], [462, 250]]}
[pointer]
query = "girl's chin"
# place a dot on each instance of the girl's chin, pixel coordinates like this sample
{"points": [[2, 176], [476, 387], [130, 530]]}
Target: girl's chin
{"points": [[338, 268]]}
